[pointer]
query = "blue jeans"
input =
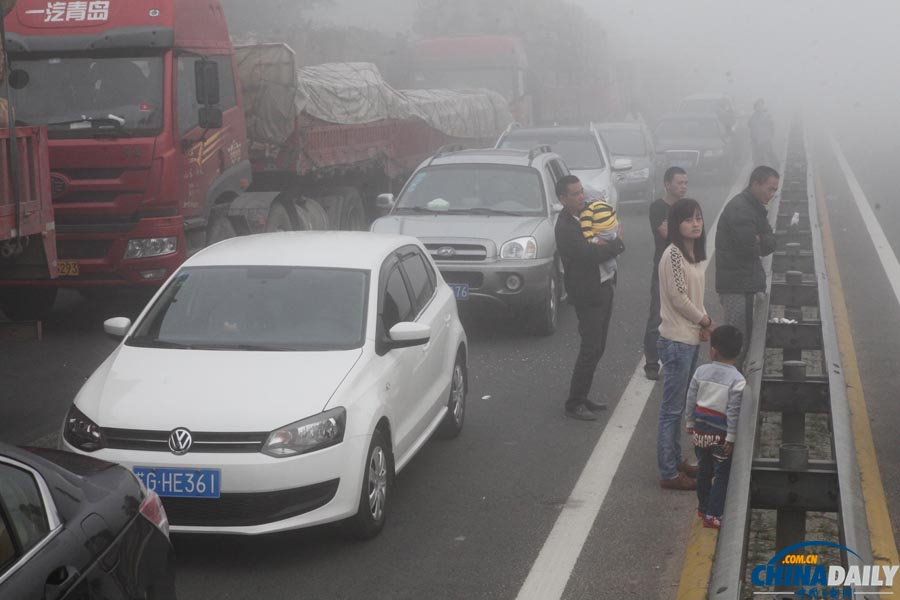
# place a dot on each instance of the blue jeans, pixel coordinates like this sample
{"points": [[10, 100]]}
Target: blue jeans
{"points": [[678, 363], [712, 480]]}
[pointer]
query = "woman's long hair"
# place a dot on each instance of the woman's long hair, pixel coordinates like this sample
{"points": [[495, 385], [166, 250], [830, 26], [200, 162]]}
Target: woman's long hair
{"points": [[683, 210]]}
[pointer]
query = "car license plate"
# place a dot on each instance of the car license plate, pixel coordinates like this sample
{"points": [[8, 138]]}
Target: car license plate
{"points": [[68, 268], [181, 483], [460, 290]]}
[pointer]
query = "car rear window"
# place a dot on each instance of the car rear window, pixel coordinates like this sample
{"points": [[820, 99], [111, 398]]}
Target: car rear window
{"points": [[687, 129], [258, 308]]}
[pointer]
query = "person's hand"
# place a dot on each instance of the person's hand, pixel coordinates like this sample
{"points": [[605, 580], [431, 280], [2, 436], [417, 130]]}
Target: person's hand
{"points": [[729, 448], [620, 230], [704, 335], [664, 229], [706, 322], [598, 241], [690, 431]]}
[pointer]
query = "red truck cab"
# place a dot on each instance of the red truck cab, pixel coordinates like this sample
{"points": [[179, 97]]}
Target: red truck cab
{"points": [[139, 156]]}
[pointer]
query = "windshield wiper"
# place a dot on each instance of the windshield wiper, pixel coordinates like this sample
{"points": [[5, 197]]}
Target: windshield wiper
{"points": [[145, 342], [483, 211], [419, 209], [113, 124], [244, 346]]}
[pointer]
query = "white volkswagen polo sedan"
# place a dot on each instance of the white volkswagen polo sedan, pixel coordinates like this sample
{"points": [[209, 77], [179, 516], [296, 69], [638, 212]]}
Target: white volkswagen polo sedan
{"points": [[279, 381]]}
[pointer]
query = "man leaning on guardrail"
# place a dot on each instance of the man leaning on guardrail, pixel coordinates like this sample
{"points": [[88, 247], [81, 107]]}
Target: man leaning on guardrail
{"points": [[744, 236]]}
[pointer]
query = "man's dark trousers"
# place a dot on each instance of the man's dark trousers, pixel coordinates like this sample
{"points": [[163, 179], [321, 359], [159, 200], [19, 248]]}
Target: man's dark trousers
{"points": [[593, 327], [651, 333]]}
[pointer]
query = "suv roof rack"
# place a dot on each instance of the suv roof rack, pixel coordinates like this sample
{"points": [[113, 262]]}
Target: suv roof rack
{"points": [[538, 150], [447, 149]]}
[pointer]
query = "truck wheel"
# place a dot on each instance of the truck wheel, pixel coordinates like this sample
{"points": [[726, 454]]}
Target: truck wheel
{"points": [[220, 229], [27, 304], [280, 220], [547, 313], [347, 211], [314, 214]]}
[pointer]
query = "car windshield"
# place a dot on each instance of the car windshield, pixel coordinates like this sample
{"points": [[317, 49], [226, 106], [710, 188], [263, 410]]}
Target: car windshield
{"points": [[679, 129], [90, 96], [474, 188], [624, 142], [701, 105], [579, 153], [258, 308]]}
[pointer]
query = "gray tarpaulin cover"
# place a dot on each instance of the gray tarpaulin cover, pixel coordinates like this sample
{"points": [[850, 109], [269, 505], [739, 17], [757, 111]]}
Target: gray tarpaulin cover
{"points": [[276, 92]]}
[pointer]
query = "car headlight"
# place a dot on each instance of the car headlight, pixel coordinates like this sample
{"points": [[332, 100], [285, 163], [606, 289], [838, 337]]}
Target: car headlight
{"points": [[714, 153], [639, 175], [523, 247], [148, 247], [315, 433], [82, 433]]}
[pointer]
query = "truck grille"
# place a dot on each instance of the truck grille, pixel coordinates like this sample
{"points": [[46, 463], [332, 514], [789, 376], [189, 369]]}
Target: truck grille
{"points": [[457, 252], [82, 248], [473, 280], [158, 441]]}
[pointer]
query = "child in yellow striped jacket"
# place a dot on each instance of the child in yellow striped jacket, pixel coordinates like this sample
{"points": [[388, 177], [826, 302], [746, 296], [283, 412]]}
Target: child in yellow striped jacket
{"points": [[599, 222]]}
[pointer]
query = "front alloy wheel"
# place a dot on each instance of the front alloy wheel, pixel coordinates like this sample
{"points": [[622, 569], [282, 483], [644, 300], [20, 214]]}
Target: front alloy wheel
{"points": [[377, 481]]}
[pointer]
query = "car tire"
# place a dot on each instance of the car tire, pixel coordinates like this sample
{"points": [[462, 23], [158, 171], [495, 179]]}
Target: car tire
{"points": [[453, 421], [547, 314], [347, 212], [27, 304], [377, 489]]}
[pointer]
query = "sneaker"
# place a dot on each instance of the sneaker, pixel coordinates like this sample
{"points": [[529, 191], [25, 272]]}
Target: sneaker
{"points": [[581, 413], [595, 406], [711, 522], [681, 483], [651, 370], [688, 469]]}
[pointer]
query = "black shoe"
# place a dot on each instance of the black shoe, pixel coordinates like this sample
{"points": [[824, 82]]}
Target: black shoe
{"points": [[581, 412], [595, 406], [651, 370]]}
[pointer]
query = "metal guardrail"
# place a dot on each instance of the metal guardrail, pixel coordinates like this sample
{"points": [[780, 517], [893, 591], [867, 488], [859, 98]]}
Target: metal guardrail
{"points": [[792, 484]]}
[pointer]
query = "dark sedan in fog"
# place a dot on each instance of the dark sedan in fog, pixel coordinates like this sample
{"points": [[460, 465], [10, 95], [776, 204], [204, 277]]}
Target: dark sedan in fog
{"points": [[78, 528]]}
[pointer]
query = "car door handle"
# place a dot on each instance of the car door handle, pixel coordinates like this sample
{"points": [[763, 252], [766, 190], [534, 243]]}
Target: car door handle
{"points": [[59, 582]]}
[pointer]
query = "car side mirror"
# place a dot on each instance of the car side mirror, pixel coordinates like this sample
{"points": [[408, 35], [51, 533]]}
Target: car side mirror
{"points": [[622, 164], [211, 117], [117, 327], [408, 335], [385, 202]]}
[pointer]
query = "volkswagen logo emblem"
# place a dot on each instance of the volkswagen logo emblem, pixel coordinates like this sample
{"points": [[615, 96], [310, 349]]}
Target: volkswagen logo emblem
{"points": [[446, 251], [180, 441]]}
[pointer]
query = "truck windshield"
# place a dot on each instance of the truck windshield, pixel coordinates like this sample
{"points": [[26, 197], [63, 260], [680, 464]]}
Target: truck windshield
{"points": [[579, 153], [501, 81], [90, 96], [264, 308], [474, 189]]}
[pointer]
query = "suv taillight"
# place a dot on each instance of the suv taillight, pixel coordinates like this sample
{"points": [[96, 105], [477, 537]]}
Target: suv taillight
{"points": [[152, 510]]}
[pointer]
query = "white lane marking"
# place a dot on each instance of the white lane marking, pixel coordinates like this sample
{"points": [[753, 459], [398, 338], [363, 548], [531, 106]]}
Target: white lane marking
{"points": [[553, 567], [882, 247]]}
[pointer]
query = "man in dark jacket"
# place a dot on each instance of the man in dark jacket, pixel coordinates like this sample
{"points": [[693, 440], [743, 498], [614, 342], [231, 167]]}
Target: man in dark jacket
{"points": [[590, 287], [744, 235]]}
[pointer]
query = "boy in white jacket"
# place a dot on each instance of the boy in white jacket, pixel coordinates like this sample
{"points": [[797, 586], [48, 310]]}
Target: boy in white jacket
{"points": [[713, 407]]}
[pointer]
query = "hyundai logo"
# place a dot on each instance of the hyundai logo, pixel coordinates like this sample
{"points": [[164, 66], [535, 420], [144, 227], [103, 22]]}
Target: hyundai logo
{"points": [[446, 251], [180, 441]]}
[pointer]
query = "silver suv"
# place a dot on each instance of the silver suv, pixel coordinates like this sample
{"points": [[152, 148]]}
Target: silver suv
{"points": [[487, 217]]}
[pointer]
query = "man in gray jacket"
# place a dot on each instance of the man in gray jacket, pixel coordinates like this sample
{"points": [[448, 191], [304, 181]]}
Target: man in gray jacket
{"points": [[742, 238]]}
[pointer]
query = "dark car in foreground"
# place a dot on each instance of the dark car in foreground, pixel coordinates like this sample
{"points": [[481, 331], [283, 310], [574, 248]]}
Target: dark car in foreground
{"points": [[698, 143], [73, 527]]}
